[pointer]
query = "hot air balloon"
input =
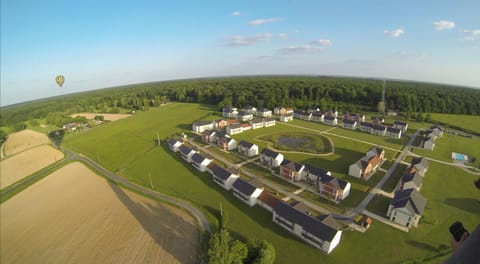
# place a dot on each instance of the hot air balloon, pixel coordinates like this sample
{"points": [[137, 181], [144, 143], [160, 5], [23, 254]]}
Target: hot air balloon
{"points": [[60, 80]]}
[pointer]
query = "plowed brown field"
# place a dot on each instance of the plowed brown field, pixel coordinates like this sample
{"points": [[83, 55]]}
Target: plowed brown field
{"points": [[23, 140], [109, 117]]}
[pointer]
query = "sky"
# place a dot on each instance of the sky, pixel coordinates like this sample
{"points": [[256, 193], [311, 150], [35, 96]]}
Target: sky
{"points": [[97, 44]]}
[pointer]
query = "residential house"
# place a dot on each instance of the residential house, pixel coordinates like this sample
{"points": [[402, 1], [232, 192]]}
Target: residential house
{"points": [[333, 188], [437, 130], [246, 191], [201, 126], [420, 164], [406, 207], [318, 117], [263, 112], [286, 118], [174, 145], [221, 123], [271, 158], [256, 123], [309, 229], [313, 109], [200, 162], [246, 126], [292, 171], [268, 201], [313, 174], [249, 110], [393, 132], [269, 121], [364, 168], [330, 120], [227, 143], [280, 110], [230, 112], [209, 136], [354, 117], [331, 113], [234, 129], [304, 115], [379, 130], [428, 143], [247, 149], [400, 125], [411, 181], [244, 116], [366, 127], [349, 124], [187, 153], [377, 120], [223, 177], [375, 151]]}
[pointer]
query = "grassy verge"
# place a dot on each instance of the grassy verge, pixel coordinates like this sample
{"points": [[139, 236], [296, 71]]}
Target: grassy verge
{"points": [[389, 186], [379, 205]]}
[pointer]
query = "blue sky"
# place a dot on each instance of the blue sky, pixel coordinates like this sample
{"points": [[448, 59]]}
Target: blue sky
{"points": [[97, 44]]}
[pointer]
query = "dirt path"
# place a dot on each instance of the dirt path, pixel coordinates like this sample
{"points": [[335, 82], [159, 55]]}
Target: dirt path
{"points": [[26, 163], [75, 216], [108, 117]]}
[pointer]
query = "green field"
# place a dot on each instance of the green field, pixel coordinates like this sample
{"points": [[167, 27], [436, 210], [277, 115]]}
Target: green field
{"points": [[470, 122], [449, 143], [128, 146], [299, 141]]}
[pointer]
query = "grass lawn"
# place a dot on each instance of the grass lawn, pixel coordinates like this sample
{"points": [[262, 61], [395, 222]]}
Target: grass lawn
{"points": [[394, 178], [128, 146], [310, 124], [357, 134], [231, 155], [449, 143], [379, 205], [471, 122], [299, 141]]}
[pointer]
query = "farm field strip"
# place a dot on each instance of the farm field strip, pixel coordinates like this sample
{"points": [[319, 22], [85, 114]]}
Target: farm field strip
{"points": [[99, 220], [108, 117], [23, 140]]}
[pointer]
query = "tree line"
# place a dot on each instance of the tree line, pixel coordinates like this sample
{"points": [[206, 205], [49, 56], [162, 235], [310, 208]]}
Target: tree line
{"points": [[342, 94]]}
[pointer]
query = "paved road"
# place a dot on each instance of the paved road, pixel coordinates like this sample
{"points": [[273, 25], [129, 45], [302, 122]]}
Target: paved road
{"points": [[359, 209]]}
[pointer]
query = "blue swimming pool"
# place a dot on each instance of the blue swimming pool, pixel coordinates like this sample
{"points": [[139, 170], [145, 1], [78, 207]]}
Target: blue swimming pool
{"points": [[458, 156]]}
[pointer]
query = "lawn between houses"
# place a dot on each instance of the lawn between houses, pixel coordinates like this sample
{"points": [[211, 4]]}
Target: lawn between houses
{"points": [[128, 146]]}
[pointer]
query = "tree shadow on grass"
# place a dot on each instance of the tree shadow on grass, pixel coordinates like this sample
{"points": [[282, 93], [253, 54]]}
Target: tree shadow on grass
{"points": [[469, 205], [421, 245], [165, 227]]}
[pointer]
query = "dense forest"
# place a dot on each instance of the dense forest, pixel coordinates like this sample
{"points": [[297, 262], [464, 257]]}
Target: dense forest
{"points": [[343, 94]]}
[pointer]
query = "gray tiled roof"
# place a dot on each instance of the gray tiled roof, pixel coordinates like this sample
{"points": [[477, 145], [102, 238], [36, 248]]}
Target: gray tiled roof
{"points": [[409, 199], [185, 150], [270, 153], [221, 173], [244, 187], [245, 144], [197, 158]]}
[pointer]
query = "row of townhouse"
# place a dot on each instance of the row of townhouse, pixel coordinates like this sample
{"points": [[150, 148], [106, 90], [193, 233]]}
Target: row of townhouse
{"points": [[322, 232], [285, 114], [366, 167], [252, 124], [431, 136], [327, 186], [220, 138], [376, 126], [245, 113], [407, 205], [328, 118], [204, 125]]}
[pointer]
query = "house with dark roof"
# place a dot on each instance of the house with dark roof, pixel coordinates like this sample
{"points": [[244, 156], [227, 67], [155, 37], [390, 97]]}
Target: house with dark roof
{"points": [[247, 149], [375, 151], [313, 174], [400, 125], [309, 229], [330, 120], [234, 129], [406, 207], [246, 191], [230, 112], [271, 158], [437, 130], [354, 117], [201, 126], [393, 132], [268, 201], [420, 164], [174, 145], [200, 162], [292, 171], [428, 143], [227, 143], [366, 127], [303, 115], [249, 109], [411, 181], [377, 120], [269, 121], [280, 110], [333, 188], [318, 117], [349, 124], [223, 177], [364, 168], [263, 112], [209, 136], [244, 116], [379, 130], [187, 153], [286, 118], [256, 123]]}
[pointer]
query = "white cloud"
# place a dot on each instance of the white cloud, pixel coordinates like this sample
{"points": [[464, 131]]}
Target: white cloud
{"points": [[264, 21], [283, 35], [236, 13], [322, 42], [301, 49], [239, 40], [394, 33], [443, 24], [472, 34]]}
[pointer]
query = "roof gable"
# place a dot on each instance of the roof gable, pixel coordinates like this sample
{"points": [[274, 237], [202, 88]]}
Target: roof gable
{"points": [[244, 187], [410, 200]]}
